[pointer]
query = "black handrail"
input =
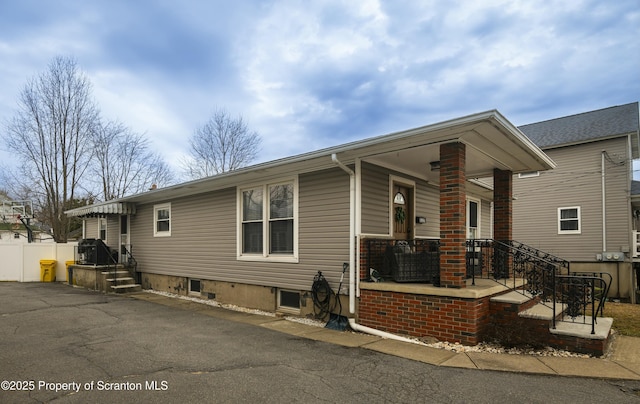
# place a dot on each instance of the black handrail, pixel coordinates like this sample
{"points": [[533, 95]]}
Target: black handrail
{"points": [[580, 291], [111, 260], [132, 263]]}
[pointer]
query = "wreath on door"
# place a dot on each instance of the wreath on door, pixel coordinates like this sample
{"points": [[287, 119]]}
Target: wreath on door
{"points": [[401, 215]]}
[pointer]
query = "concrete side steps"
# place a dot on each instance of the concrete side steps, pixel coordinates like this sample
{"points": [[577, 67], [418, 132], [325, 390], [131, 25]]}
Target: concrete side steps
{"points": [[122, 282]]}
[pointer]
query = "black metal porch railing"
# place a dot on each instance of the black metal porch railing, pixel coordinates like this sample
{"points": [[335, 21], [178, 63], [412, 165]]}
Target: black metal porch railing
{"points": [[96, 252], [518, 266], [543, 276], [511, 263], [415, 260]]}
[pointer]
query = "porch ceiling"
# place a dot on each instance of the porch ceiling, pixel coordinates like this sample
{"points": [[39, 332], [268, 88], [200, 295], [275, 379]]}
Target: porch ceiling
{"points": [[489, 146]]}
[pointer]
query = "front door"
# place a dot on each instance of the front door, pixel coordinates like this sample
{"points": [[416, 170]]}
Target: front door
{"points": [[402, 213]]}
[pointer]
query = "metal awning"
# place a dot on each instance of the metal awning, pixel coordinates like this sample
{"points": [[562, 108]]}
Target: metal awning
{"points": [[107, 208]]}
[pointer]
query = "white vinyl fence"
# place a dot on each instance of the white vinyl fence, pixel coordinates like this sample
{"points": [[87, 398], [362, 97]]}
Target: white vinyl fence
{"points": [[20, 262]]}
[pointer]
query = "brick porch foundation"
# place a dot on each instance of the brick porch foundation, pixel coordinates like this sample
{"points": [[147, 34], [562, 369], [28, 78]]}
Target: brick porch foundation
{"points": [[446, 318]]}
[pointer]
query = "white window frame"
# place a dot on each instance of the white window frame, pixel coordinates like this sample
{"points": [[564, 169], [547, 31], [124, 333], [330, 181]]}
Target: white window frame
{"points": [[193, 292], [478, 202], [288, 309], [265, 255], [156, 208], [102, 225], [579, 219]]}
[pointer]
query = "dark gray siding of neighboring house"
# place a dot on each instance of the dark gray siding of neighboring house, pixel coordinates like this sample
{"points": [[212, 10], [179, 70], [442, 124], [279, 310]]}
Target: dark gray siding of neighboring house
{"points": [[575, 182], [203, 237]]}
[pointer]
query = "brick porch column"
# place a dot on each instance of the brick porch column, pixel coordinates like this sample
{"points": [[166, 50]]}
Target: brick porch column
{"points": [[502, 221], [502, 205], [453, 231]]}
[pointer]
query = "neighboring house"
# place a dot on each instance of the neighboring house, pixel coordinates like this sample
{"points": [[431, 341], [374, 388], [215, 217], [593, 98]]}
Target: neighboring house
{"points": [[583, 210], [401, 206], [13, 230]]}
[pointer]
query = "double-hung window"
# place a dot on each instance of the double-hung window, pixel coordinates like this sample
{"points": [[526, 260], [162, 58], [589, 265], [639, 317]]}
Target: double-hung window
{"points": [[162, 220], [267, 226], [569, 220]]}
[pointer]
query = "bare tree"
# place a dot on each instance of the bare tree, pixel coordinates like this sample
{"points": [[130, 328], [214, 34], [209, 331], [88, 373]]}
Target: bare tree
{"points": [[124, 163], [51, 135], [222, 144]]}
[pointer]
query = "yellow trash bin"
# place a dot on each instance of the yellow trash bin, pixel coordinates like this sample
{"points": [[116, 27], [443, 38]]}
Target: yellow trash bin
{"points": [[70, 279], [47, 270]]}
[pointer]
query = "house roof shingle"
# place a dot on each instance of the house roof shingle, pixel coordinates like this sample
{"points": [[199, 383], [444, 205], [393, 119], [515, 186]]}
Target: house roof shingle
{"points": [[584, 127]]}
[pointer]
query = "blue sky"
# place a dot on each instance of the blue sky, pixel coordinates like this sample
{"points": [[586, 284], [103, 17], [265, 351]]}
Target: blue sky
{"points": [[311, 74]]}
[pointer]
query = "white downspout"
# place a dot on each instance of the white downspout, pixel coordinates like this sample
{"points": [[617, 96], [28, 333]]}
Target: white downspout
{"points": [[352, 260], [352, 232], [604, 208], [357, 327]]}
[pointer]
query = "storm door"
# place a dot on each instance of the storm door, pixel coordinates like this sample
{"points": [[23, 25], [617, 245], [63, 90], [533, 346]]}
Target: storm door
{"points": [[124, 238]]}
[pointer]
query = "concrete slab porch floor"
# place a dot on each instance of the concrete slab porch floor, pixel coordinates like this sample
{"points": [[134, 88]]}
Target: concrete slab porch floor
{"points": [[622, 361]]}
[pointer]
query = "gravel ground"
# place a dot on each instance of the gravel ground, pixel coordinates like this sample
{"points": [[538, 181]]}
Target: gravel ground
{"points": [[454, 347]]}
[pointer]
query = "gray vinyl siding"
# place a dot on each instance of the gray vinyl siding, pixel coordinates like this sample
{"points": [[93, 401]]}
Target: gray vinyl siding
{"points": [[376, 199], [91, 229], [203, 237], [113, 231], [428, 206], [575, 182], [486, 227]]}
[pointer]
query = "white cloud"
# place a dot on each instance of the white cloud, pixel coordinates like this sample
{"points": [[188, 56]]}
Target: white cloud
{"points": [[308, 74]]}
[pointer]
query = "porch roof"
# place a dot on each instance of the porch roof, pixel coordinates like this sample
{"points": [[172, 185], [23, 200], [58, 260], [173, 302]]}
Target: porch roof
{"points": [[492, 142], [108, 208]]}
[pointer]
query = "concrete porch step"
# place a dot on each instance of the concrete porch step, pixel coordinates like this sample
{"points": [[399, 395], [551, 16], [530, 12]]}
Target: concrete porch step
{"points": [[542, 312], [119, 272], [123, 279], [580, 327], [126, 288], [512, 297]]}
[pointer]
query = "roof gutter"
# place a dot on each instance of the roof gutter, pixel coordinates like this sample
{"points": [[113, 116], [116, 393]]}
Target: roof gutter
{"points": [[528, 143]]}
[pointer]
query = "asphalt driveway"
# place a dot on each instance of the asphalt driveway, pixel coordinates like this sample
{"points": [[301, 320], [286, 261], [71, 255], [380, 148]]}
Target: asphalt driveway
{"points": [[68, 345]]}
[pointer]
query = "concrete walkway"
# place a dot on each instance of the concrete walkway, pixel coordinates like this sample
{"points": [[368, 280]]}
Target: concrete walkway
{"points": [[622, 362]]}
